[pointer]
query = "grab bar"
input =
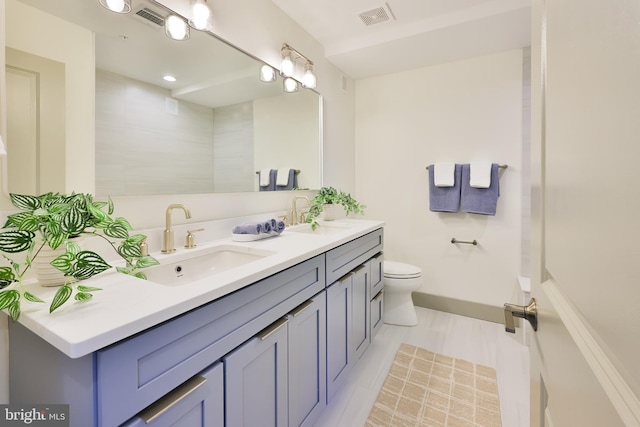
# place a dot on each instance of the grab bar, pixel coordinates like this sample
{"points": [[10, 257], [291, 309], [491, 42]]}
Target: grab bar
{"points": [[466, 242]]}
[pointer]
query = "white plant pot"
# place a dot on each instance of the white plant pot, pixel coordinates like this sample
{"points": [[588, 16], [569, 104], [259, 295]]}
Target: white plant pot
{"points": [[332, 211], [46, 274]]}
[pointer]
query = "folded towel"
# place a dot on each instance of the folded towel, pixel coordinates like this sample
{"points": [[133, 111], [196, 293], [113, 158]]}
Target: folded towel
{"points": [[480, 174], [479, 200], [444, 199], [279, 228], [265, 177], [282, 179], [271, 179], [248, 228], [291, 181], [266, 227], [443, 174]]}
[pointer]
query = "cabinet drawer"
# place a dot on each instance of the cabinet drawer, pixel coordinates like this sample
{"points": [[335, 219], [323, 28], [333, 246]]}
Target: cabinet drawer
{"points": [[377, 277], [196, 403], [346, 257], [136, 372]]}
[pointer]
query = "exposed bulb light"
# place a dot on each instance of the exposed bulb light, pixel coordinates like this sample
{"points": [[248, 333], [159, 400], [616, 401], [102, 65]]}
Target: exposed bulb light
{"points": [[309, 79], [201, 15], [267, 74], [290, 85], [287, 67], [169, 78], [176, 28], [118, 6]]}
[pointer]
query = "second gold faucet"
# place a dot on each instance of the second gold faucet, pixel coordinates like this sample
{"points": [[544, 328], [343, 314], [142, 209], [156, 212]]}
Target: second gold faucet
{"points": [[167, 241]]}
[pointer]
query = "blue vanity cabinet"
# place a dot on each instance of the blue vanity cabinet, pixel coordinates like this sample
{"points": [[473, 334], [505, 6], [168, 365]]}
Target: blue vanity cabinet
{"points": [[339, 296], [376, 310], [199, 402], [256, 379], [307, 361]]}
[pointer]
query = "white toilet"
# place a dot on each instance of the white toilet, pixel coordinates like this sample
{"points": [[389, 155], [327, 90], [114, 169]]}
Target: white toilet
{"points": [[400, 280]]}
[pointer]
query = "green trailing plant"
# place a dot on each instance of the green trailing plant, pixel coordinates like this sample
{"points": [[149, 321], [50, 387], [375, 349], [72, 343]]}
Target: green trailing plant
{"points": [[53, 220], [331, 196]]}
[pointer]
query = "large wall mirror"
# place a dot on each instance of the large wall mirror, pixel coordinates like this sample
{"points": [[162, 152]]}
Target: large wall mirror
{"points": [[210, 131]]}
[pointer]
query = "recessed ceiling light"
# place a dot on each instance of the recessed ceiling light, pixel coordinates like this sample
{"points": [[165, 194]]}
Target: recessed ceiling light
{"points": [[169, 78]]}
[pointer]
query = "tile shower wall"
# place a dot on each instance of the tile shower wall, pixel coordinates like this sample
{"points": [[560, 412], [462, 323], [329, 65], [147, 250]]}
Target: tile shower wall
{"points": [[143, 119]]}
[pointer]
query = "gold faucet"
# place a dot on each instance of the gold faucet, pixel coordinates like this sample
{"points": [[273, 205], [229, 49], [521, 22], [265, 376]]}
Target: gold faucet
{"points": [[167, 245], [294, 210]]}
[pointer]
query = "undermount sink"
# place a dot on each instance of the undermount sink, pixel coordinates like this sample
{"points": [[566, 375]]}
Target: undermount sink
{"points": [[206, 263], [320, 229]]}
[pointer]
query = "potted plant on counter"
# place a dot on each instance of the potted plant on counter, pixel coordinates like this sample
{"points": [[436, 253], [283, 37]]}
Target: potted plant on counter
{"points": [[53, 222], [327, 201]]}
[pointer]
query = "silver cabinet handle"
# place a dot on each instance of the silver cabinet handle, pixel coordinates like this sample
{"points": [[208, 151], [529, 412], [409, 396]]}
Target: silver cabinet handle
{"points": [[266, 332], [378, 296], [302, 307], [528, 312], [171, 399]]}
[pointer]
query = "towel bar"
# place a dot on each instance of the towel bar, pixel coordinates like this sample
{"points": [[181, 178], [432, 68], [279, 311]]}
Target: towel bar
{"points": [[297, 171], [500, 166], [473, 242]]}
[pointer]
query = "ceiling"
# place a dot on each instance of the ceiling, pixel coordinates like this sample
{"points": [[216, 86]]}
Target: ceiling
{"points": [[417, 33]]}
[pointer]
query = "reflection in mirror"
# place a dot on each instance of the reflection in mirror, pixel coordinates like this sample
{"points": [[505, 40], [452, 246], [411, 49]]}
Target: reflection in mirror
{"points": [[210, 130]]}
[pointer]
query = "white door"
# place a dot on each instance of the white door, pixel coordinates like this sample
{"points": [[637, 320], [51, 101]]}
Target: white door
{"points": [[586, 213]]}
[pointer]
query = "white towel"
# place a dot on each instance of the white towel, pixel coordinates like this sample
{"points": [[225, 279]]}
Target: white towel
{"points": [[480, 174], [264, 177], [443, 174], [282, 178]]}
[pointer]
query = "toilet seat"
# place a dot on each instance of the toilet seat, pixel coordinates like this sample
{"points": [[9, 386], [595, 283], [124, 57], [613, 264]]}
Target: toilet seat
{"points": [[400, 270]]}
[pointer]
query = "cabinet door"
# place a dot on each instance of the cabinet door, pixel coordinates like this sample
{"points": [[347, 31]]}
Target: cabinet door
{"points": [[338, 321], [256, 380], [196, 403], [360, 306], [307, 361], [376, 313]]}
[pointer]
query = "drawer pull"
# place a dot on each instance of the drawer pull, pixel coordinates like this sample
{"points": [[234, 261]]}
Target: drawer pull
{"points": [[266, 332], [171, 399], [302, 307], [359, 269], [378, 296]]}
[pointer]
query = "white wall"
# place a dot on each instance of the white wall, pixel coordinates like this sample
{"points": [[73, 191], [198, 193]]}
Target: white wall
{"points": [[461, 111]]}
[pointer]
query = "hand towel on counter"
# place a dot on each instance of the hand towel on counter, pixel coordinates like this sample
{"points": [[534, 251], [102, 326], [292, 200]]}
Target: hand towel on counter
{"points": [[479, 200], [444, 174], [445, 199], [267, 179], [286, 180], [248, 228], [480, 174], [279, 228]]}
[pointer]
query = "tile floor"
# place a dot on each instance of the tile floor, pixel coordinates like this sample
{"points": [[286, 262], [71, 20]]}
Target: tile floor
{"points": [[477, 341]]}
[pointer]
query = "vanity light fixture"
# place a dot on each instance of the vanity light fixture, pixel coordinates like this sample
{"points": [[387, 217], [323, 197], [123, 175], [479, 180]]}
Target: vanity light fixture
{"points": [[267, 74], [289, 58], [201, 16], [290, 85], [118, 6], [176, 28]]}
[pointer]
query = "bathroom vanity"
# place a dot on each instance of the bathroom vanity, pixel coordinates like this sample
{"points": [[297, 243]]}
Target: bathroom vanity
{"points": [[266, 343]]}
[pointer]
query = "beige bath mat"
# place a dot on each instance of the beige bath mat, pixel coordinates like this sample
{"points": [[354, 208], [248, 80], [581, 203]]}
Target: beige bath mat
{"points": [[428, 389]]}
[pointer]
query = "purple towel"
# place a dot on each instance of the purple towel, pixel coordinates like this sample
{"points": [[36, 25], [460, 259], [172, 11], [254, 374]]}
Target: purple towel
{"points": [[480, 200], [445, 199]]}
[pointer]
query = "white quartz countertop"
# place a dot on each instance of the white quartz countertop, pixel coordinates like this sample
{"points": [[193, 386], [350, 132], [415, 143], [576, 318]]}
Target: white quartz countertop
{"points": [[127, 305]]}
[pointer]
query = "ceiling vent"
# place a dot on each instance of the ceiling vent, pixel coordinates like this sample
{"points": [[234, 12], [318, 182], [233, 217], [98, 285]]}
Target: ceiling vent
{"points": [[149, 16], [377, 15]]}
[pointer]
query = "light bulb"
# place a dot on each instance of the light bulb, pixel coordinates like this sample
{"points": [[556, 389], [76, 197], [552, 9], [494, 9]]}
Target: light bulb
{"points": [[309, 79], [200, 16], [289, 85], [267, 74], [287, 64], [176, 28], [118, 6]]}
